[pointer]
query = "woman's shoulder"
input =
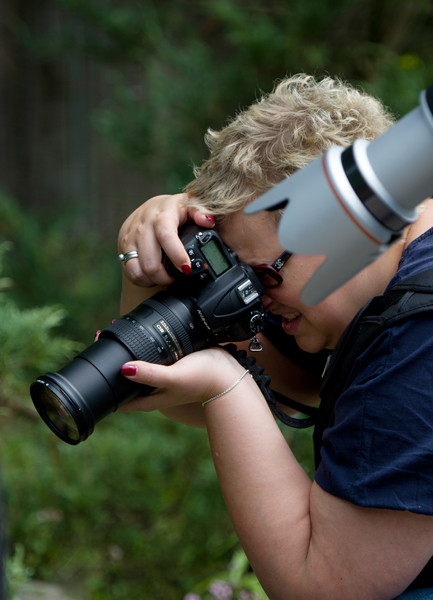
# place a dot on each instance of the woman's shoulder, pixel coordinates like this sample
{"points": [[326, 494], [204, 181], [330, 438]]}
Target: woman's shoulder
{"points": [[423, 223], [417, 254]]}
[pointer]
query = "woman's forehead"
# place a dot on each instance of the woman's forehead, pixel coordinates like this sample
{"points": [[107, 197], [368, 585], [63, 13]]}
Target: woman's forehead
{"points": [[253, 237]]}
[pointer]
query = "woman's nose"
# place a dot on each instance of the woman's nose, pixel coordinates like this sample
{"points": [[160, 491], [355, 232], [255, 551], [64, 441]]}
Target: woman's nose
{"points": [[267, 301]]}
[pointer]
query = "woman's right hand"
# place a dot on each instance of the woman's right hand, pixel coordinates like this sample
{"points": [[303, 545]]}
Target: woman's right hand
{"points": [[152, 226]]}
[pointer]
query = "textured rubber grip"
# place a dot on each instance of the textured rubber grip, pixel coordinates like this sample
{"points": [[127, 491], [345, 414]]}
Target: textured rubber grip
{"points": [[132, 335]]}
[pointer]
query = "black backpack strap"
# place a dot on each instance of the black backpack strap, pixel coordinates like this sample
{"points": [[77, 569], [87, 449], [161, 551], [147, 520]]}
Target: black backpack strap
{"points": [[411, 296], [296, 422]]}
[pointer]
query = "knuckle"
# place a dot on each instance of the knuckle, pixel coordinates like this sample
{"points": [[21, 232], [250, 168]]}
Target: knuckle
{"points": [[152, 269], [137, 278]]}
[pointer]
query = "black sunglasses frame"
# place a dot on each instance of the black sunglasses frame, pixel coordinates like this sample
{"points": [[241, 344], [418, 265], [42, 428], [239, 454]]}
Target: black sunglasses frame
{"points": [[272, 271]]}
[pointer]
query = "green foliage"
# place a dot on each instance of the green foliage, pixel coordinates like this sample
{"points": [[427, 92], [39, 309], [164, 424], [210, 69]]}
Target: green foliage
{"points": [[29, 342], [173, 70], [17, 573], [51, 262], [400, 81], [158, 121], [135, 511], [237, 582]]}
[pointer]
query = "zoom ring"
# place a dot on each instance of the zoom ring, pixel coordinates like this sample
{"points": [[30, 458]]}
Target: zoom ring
{"points": [[134, 337]]}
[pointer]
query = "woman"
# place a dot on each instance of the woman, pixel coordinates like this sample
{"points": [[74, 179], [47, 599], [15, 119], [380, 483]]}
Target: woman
{"points": [[364, 527]]}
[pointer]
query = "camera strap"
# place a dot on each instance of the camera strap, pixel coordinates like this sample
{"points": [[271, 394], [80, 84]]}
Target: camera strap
{"points": [[272, 397]]}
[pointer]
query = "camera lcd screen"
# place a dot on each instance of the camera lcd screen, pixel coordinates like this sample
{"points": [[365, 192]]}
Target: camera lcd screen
{"points": [[215, 257]]}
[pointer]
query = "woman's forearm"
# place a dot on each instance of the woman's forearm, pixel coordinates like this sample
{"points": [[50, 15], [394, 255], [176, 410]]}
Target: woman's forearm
{"points": [[266, 490]]}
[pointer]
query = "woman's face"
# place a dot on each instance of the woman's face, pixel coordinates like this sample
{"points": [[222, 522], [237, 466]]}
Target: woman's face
{"points": [[255, 240]]}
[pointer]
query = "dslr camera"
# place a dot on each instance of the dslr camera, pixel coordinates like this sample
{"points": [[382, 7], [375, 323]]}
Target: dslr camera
{"points": [[221, 301]]}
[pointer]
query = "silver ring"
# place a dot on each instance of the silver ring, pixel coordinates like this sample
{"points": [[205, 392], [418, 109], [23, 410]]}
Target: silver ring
{"points": [[127, 256]]}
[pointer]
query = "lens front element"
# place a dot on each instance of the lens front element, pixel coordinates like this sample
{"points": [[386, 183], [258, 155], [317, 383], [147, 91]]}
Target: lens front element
{"points": [[55, 412]]}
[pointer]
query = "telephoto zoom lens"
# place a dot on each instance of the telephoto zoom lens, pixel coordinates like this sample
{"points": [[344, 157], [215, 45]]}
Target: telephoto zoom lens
{"points": [[161, 330]]}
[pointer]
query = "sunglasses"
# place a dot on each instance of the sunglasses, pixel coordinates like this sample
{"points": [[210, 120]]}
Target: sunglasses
{"points": [[269, 274]]}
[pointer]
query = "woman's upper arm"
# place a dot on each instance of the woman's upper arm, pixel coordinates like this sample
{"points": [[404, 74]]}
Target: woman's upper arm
{"points": [[367, 553], [132, 294]]}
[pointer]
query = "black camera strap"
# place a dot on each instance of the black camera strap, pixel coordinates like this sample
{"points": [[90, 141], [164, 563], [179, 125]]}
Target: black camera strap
{"points": [[272, 397]]}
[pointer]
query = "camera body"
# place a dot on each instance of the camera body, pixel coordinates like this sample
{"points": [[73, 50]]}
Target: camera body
{"points": [[228, 294], [220, 301]]}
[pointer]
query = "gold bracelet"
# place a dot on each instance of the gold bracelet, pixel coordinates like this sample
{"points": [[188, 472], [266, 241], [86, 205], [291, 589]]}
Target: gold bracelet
{"points": [[227, 390]]}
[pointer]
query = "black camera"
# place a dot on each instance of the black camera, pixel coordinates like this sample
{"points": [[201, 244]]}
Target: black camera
{"points": [[220, 301]]}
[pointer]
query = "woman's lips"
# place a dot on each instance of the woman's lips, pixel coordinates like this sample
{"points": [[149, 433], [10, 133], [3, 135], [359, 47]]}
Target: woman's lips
{"points": [[291, 323]]}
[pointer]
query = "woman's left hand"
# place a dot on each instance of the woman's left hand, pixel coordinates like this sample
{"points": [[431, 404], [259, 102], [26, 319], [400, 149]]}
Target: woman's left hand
{"points": [[195, 378]]}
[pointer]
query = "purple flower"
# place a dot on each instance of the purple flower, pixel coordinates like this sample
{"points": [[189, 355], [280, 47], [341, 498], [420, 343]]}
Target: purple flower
{"points": [[221, 590], [191, 596]]}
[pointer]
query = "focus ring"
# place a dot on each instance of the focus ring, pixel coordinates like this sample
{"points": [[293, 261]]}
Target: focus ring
{"points": [[175, 324]]}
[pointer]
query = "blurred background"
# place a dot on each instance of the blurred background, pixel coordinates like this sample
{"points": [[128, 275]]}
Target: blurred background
{"points": [[104, 103]]}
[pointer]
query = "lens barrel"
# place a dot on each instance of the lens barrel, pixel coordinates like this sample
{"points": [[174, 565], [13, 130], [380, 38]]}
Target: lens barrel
{"points": [[160, 330], [86, 390]]}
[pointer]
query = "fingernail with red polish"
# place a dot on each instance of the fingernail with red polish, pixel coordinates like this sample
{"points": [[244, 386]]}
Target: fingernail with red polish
{"points": [[211, 219], [97, 334], [186, 269], [129, 370]]}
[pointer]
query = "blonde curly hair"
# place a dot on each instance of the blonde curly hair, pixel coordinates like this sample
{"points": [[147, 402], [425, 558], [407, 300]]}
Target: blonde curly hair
{"points": [[282, 132]]}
